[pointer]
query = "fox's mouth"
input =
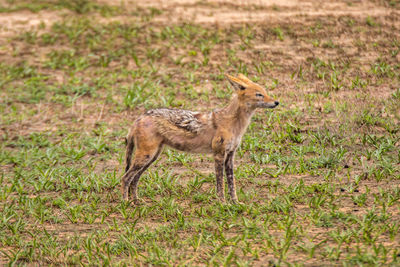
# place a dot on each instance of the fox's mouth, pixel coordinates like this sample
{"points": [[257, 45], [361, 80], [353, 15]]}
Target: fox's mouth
{"points": [[269, 104]]}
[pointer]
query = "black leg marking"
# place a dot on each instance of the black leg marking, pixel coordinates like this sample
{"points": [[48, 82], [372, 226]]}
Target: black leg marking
{"points": [[129, 150], [128, 177], [229, 176], [219, 174], [135, 180]]}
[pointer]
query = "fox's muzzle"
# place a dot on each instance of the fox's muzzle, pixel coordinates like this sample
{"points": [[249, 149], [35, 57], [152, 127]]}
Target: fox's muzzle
{"points": [[269, 104]]}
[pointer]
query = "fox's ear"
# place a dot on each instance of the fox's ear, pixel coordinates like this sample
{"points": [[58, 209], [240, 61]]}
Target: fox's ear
{"points": [[244, 78], [236, 83]]}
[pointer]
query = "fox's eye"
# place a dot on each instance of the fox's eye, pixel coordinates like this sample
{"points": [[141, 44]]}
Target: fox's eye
{"points": [[259, 95]]}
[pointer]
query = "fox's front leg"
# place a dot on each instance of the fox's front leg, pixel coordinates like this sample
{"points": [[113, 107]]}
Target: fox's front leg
{"points": [[219, 174], [218, 146], [229, 176]]}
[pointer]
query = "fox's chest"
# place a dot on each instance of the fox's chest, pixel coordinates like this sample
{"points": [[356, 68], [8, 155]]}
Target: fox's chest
{"points": [[237, 131], [234, 143]]}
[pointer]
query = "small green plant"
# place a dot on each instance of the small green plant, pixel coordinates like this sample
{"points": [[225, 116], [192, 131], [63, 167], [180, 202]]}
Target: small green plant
{"points": [[370, 21], [278, 33]]}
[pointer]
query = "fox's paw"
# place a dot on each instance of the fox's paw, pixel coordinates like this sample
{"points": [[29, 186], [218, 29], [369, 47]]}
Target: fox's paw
{"points": [[221, 199], [138, 201], [237, 202], [125, 198]]}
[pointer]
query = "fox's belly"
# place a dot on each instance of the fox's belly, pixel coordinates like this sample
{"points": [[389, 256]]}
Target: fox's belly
{"points": [[192, 146]]}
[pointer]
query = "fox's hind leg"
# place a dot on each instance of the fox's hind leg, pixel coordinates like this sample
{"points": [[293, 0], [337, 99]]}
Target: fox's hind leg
{"points": [[142, 160], [135, 180], [148, 145]]}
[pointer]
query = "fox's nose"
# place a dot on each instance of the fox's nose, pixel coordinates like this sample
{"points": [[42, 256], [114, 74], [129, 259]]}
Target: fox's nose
{"points": [[276, 103]]}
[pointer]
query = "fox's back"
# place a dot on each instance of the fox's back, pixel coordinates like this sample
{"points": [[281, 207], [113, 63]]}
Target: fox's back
{"points": [[187, 120], [181, 129]]}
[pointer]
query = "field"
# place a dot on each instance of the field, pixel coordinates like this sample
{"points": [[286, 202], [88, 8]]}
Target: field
{"points": [[319, 176]]}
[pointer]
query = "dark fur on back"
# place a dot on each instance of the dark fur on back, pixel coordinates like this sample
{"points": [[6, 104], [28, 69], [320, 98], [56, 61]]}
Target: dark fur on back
{"points": [[184, 119]]}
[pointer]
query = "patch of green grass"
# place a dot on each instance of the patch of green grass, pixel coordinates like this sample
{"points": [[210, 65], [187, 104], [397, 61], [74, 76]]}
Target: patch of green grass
{"points": [[278, 33], [77, 6]]}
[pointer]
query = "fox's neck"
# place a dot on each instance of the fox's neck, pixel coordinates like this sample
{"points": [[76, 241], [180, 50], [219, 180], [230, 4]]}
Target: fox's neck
{"points": [[239, 113]]}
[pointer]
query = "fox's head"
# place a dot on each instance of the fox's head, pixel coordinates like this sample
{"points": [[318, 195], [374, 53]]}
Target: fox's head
{"points": [[250, 93]]}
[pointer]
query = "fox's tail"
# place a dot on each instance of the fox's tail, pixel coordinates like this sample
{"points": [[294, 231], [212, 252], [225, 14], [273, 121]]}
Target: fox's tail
{"points": [[130, 144]]}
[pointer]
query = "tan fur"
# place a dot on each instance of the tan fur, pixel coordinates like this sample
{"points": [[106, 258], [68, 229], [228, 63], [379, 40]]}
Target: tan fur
{"points": [[218, 132]]}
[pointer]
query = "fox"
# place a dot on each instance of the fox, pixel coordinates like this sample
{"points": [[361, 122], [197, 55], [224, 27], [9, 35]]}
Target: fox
{"points": [[218, 132]]}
